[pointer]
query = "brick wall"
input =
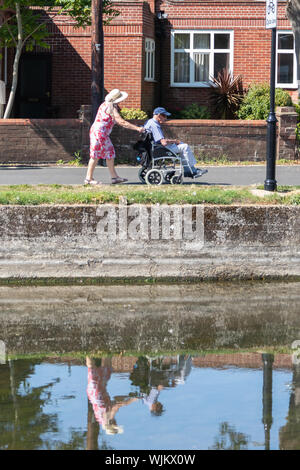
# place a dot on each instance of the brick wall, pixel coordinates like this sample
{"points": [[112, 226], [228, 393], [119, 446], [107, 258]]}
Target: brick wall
{"points": [[237, 140], [50, 140], [39, 140]]}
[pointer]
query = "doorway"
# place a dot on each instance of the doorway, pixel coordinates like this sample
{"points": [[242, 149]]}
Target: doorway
{"points": [[33, 98]]}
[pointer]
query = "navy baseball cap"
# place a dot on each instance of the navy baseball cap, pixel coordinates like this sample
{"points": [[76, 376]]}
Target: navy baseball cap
{"points": [[161, 111]]}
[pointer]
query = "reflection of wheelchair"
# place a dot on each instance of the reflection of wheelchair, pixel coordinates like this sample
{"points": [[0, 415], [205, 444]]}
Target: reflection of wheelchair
{"points": [[168, 371], [159, 163]]}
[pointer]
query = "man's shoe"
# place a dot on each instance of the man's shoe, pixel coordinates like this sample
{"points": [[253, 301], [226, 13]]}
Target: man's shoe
{"points": [[199, 173]]}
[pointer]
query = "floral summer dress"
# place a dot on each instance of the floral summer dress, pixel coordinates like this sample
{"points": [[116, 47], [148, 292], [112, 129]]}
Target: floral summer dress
{"points": [[100, 143]]}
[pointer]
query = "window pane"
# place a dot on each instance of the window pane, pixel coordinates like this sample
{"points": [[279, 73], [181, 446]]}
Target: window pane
{"points": [[285, 68], [182, 41], [201, 41], [201, 67], [285, 41], [221, 62], [148, 65], [222, 41], [152, 66], [181, 67]]}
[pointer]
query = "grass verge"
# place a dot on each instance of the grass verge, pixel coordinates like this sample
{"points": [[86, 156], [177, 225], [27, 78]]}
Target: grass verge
{"points": [[181, 194]]}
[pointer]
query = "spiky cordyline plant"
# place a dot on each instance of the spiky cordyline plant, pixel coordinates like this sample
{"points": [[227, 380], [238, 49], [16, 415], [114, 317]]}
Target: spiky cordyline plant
{"points": [[226, 94]]}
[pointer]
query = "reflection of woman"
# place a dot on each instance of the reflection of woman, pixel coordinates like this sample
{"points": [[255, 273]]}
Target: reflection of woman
{"points": [[100, 143], [104, 408]]}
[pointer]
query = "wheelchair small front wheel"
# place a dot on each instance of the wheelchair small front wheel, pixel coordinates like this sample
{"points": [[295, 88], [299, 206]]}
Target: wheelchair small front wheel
{"points": [[168, 176], [154, 177], [177, 179]]}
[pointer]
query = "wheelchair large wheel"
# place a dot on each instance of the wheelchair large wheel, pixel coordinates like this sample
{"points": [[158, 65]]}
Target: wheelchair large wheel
{"points": [[176, 179], [142, 174], [154, 177]]}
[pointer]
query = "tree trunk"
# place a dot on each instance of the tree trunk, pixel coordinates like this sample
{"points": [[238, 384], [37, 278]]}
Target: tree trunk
{"points": [[293, 14], [19, 46], [97, 87]]}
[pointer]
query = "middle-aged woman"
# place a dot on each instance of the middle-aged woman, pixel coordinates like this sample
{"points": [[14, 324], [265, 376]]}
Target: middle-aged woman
{"points": [[100, 143]]}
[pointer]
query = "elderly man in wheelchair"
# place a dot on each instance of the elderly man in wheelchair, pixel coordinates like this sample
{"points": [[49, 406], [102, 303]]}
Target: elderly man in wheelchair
{"points": [[164, 159]]}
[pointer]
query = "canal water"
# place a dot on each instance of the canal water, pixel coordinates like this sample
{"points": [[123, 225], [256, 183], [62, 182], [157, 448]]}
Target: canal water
{"points": [[152, 367]]}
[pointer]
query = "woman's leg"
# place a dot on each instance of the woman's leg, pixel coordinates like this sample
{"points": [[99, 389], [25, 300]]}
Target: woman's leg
{"points": [[110, 162], [91, 167]]}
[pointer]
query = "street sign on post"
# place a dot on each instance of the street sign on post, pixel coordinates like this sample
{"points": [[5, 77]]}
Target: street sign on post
{"points": [[271, 14]]}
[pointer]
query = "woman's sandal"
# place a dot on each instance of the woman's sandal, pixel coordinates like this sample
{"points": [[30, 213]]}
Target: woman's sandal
{"points": [[92, 182], [118, 180]]}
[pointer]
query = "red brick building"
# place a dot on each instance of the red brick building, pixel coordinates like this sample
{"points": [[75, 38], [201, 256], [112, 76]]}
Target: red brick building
{"points": [[160, 51]]}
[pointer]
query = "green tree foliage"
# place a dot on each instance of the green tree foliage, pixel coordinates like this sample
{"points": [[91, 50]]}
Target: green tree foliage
{"points": [[25, 28], [256, 104], [80, 10], [33, 33]]}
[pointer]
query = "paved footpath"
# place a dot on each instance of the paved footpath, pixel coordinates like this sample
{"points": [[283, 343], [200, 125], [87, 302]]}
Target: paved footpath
{"points": [[226, 175]]}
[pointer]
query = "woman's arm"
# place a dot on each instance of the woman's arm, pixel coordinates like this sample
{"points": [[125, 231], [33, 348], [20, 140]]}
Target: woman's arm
{"points": [[119, 120]]}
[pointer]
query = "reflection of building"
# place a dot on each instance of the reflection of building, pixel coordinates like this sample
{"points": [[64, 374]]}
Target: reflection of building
{"points": [[247, 360], [161, 52], [289, 435]]}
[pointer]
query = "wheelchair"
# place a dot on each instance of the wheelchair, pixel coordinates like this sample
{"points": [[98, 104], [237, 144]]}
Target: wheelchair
{"points": [[159, 163]]}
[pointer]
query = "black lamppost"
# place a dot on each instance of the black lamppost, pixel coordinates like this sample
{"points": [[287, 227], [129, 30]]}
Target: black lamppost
{"points": [[97, 87], [270, 182]]}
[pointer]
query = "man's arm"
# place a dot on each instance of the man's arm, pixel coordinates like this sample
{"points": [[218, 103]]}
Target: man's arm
{"points": [[169, 141], [157, 133]]}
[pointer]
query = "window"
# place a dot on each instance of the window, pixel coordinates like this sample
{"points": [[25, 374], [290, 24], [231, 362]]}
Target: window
{"points": [[286, 69], [150, 59], [197, 56]]}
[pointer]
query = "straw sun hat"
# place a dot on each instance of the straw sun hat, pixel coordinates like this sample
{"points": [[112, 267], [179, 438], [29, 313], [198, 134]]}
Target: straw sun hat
{"points": [[115, 96]]}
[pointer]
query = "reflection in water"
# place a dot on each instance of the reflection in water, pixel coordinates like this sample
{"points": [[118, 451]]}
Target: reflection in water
{"points": [[22, 419], [230, 439], [176, 401], [267, 419], [290, 433], [213, 401], [104, 408], [149, 318], [150, 375]]}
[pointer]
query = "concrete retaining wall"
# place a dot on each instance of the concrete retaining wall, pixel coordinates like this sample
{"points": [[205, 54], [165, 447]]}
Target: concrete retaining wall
{"points": [[159, 317], [225, 242]]}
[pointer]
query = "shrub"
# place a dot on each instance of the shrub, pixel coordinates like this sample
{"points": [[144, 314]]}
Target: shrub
{"points": [[133, 113], [193, 111], [226, 94], [256, 104]]}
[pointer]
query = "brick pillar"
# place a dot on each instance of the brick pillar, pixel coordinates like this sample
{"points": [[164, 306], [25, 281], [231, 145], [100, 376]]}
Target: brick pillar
{"points": [[286, 141], [85, 116]]}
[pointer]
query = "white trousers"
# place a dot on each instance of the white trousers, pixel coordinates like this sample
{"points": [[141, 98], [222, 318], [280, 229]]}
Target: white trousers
{"points": [[185, 152]]}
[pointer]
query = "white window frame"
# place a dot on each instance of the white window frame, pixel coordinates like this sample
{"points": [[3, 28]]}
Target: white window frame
{"points": [[210, 51], [286, 51], [149, 60]]}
